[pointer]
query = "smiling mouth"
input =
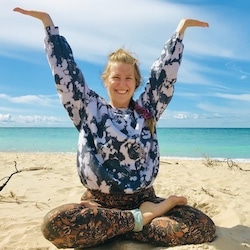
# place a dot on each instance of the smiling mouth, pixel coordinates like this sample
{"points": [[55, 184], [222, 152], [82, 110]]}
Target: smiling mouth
{"points": [[122, 91]]}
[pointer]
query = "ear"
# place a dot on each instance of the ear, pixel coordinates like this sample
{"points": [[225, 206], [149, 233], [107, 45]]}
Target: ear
{"points": [[105, 84]]}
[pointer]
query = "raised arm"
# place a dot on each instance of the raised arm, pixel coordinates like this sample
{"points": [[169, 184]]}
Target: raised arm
{"points": [[68, 77], [160, 87], [43, 16]]}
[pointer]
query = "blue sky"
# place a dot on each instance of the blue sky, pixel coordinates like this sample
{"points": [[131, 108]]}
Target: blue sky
{"points": [[213, 87]]}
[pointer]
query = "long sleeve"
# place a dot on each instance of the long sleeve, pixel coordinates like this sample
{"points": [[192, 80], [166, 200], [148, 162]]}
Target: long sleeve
{"points": [[116, 151], [68, 77], [160, 87]]}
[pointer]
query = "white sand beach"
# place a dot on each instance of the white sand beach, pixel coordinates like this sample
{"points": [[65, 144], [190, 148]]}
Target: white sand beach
{"points": [[219, 188]]}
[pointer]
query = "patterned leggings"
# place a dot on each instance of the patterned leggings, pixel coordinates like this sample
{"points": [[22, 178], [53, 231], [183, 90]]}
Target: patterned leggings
{"points": [[77, 226]]}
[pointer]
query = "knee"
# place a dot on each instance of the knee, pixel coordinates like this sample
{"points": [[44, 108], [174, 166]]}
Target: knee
{"points": [[49, 231], [61, 226], [46, 228], [209, 230], [55, 228], [201, 228]]}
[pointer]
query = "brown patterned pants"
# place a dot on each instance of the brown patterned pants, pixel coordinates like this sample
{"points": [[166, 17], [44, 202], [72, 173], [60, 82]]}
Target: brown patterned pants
{"points": [[77, 226]]}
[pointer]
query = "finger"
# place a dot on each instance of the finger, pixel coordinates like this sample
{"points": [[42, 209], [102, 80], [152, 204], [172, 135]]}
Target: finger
{"points": [[204, 24], [17, 9], [193, 23]]}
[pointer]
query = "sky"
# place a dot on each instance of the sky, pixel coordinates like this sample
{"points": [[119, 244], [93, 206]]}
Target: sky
{"points": [[213, 85]]}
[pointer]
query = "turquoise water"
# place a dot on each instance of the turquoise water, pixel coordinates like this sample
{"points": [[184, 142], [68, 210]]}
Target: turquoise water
{"points": [[231, 143], [210, 142]]}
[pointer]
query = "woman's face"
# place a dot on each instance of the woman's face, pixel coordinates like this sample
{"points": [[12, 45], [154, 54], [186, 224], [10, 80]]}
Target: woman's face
{"points": [[120, 84]]}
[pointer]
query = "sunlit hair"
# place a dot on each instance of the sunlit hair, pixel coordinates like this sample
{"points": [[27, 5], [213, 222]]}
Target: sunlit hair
{"points": [[125, 56]]}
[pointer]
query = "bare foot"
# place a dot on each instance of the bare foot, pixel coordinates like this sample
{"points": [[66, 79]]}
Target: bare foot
{"points": [[89, 204], [151, 210]]}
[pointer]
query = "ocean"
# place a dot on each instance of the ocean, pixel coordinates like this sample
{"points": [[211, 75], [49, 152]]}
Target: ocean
{"points": [[219, 143]]}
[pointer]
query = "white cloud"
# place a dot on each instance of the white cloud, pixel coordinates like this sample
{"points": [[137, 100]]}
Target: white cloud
{"points": [[204, 119], [32, 110], [186, 115], [180, 116], [6, 118], [193, 73], [43, 100], [243, 77], [240, 97], [227, 109], [35, 120], [96, 27], [30, 120]]}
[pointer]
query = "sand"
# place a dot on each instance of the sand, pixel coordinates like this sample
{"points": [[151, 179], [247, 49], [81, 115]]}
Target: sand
{"points": [[218, 188]]}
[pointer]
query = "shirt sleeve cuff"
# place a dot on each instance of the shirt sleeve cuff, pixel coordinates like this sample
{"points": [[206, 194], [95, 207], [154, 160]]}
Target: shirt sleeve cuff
{"points": [[52, 30], [179, 35]]}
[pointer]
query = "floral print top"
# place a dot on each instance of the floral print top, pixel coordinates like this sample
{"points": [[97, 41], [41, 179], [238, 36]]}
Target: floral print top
{"points": [[116, 151]]}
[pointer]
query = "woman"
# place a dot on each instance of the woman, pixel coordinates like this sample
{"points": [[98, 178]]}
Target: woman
{"points": [[118, 154]]}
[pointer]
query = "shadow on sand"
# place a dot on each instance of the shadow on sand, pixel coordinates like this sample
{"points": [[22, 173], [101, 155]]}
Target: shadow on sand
{"points": [[235, 238]]}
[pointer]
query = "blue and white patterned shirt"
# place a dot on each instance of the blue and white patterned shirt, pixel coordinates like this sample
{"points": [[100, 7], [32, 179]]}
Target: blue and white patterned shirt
{"points": [[116, 151]]}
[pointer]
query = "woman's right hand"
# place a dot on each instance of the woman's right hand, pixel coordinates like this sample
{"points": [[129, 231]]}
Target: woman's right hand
{"points": [[43, 16]]}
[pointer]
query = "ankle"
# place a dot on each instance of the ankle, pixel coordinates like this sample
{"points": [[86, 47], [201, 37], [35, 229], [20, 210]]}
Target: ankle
{"points": [[138, 218]]}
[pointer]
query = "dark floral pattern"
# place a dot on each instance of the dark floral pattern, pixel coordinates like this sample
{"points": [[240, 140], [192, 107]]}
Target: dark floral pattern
{"points": [[77, 226]]}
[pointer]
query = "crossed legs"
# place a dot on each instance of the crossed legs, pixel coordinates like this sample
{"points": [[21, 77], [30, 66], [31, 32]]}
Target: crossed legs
{"points": [[86, 224]]}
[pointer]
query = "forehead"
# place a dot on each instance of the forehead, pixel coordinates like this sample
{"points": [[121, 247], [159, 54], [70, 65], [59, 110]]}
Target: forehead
{"points": [[121, 67]]}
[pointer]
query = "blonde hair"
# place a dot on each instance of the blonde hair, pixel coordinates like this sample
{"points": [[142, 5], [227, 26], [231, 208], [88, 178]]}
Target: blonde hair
{"points": [[124, 56]]}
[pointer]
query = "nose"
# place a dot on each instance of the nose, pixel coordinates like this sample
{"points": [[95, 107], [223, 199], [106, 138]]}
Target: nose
{"points": [[122, 81]]}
